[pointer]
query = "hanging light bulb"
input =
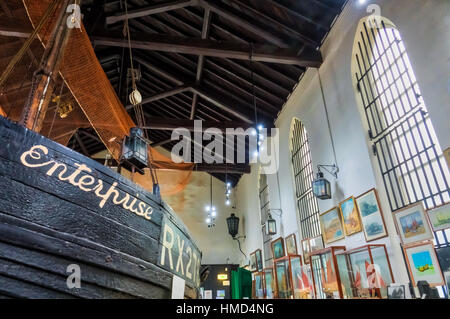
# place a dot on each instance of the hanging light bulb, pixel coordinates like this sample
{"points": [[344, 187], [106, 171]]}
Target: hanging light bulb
{"points": [[208, 220], [207, 208], [227, 202], [214, 214]]}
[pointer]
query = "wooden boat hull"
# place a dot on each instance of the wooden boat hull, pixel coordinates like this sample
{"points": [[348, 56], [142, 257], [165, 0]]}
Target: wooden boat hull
{"points": [[59, 208]]}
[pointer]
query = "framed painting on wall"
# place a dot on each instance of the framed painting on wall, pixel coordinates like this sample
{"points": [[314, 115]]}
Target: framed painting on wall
{"points": [[423, 264], [253, 265], [306, 250], [412, 224], [259, 262], [439, 217], [331, 225], [371, 215], [315, 244], [350, 216], [291, 245], [278, 248]]}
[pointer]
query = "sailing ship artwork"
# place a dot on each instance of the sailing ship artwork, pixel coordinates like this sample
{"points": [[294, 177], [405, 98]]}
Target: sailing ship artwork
{"points": [[412, 224]]}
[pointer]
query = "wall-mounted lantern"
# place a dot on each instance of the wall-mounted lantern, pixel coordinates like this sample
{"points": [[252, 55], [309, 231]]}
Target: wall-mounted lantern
{"points": [[321, 186], [271, 225], [233, 225]]}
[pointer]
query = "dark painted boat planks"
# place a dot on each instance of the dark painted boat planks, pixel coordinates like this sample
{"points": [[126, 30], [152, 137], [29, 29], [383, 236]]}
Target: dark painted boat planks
{"points": [[59, 208]]}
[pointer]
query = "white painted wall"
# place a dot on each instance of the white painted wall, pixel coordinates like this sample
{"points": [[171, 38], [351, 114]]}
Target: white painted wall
{"points": [[215, 243], [424, 25]]}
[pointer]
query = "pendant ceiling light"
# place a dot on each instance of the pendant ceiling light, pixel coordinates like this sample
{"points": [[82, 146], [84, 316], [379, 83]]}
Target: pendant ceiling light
{"points": [[211, 210]]}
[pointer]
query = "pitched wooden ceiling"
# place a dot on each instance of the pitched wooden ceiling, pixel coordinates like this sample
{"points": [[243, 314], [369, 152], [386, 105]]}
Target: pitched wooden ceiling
{"points": [[194, 59]]}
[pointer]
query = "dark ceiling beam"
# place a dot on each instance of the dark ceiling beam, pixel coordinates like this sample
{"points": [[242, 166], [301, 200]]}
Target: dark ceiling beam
{"points": [[158, 8], [9, 28], [217, 101], [296, 14], [201, 60], [269, 83], [244, 23], [92, 136], [208, 168], [207, 5], [229, 34], [281, 27], [22, 32], [223, 168], [82, 146], [232, 50], [162, 95], [161, 143], [159, 71], [165, 124], [211, 97]]}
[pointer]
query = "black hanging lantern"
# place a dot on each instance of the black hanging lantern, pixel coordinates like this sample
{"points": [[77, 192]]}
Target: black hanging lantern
{"points": [[321, 187], [135, 149], [233, 225], [271, 225]]}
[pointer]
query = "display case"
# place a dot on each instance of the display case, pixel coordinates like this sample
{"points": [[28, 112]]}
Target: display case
{"points": [[365, 272], [269, 283], [300, 279], [326, 280], [292, 280], [283, 284], [259, 292]]}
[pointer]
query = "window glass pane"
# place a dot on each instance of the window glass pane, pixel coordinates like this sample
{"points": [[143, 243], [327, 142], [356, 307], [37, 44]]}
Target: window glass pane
{"points": [[303, 170], [410, 158]]}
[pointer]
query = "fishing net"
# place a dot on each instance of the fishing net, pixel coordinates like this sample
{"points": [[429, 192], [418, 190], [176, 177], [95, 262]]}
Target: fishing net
{"points": [[99, 105]]}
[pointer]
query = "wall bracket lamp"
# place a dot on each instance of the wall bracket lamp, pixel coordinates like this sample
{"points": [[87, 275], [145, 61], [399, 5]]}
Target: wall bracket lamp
{"points": [[320, 185]]}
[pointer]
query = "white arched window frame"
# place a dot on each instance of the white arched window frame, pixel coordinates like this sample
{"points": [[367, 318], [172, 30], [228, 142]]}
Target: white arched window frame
{"points": [[303, 171], [403, 139], [264, 204]]}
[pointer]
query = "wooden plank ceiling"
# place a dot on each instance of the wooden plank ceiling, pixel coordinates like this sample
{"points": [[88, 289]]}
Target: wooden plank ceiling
{"points": [[194, 59]]}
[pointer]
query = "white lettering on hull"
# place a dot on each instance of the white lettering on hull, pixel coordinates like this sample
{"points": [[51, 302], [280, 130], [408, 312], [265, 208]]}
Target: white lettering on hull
{"points": [[87, 183]]}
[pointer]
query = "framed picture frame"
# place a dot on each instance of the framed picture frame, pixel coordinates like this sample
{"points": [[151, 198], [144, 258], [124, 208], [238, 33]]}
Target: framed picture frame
{"points": [[283, 284], [259, 261], [315, 244], [412, 224], [278, 248], [253, 265], [439, 217], [291, 245], [350, 216], [423, 264], [306, 249], [372, 219], [259, 286], [331, 225], [269, 283]]}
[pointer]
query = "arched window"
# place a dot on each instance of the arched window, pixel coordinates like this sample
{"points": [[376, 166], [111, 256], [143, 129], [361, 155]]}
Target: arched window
{"points": [[409, 156], [307, 206], [264, 205]]}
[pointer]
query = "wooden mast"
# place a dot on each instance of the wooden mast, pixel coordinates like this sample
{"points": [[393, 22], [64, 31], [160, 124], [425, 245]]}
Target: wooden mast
{"points": [[44, 77]]}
